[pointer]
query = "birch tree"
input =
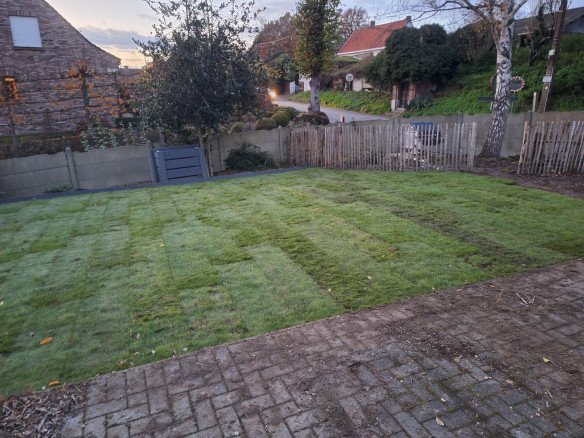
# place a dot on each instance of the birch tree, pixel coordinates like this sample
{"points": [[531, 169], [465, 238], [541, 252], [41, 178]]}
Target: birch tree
{"points": [[499, 16]]}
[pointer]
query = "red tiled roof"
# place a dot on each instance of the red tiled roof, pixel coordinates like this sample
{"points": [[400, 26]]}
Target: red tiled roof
{"points": [[371, 37]]}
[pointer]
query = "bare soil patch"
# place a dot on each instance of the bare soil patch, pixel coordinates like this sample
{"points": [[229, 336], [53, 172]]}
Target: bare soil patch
{"points": [[571, 185]]}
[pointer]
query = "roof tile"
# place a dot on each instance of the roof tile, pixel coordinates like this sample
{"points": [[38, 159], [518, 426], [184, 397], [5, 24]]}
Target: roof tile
{"points": [[371, 37]]}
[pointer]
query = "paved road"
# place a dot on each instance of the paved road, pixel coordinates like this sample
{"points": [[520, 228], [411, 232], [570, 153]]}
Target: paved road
{"points": [[332, 113], [500, 358]]}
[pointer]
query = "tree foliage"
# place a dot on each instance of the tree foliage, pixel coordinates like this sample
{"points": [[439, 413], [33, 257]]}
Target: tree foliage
{"points": [[352, 19], [377, 73], [201, 72], [277, 36], [281, 67], [317, 24], [473, 45], [414, 55]]}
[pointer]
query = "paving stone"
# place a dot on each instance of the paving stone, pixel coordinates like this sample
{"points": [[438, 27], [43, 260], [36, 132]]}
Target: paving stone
{"points": [[158, 400], [181, 407], [253, 426], [181, 429], [95, 427], [226, 399], [279, 392], [410, 425], [127, 415], [105, 408], [118, 432], [229, 421], [205, 414], [136, 381], [214, 432], [382, 372], [304, 420], [253, 406]]}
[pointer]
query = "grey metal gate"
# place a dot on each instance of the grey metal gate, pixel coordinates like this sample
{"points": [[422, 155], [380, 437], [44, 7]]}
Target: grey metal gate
{"points": [[180, 164]]}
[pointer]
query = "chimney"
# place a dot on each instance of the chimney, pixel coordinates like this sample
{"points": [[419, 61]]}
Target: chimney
{"points": [[373, 24], [409, 18]]}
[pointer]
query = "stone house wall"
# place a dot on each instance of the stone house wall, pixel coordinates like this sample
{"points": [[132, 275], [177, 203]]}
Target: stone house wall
{"points": [[48, 100]]}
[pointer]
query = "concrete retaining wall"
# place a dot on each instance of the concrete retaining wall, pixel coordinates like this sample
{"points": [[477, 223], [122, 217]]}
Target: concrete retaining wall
{"points": [[114, 167], [33, 175], [275, 142], [96, 169]]}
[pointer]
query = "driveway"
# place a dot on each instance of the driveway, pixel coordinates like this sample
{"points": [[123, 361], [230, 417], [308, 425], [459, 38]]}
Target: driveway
{"points": [[333, 114], [499, 358]]}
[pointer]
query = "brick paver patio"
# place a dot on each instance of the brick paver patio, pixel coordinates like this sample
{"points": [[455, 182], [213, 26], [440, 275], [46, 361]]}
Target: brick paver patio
{"points": [[501, 358]]}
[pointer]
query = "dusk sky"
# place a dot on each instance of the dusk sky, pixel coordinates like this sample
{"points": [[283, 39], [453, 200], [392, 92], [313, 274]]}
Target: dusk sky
{"points": [[111, 24]]}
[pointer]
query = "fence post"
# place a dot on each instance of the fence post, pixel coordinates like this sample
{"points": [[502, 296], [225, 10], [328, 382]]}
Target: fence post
{"points": [[72, 170], [280, 143], [473, 142], [151, 163], [219, 148]]}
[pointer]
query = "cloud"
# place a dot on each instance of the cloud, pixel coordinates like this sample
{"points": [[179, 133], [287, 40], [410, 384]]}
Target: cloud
{"points": [[122, 39]]}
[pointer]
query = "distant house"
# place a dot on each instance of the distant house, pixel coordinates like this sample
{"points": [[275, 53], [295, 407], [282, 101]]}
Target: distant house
{"points": [[370, 41], [43, 60], [365, 43], [573, 23]]}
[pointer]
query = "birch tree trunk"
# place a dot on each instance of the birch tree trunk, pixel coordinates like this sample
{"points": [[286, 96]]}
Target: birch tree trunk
{"points": [[501, 104], [315, 81]]}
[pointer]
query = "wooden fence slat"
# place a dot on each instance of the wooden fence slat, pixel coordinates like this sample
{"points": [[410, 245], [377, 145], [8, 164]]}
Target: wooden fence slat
{"points": [[391, 146]]}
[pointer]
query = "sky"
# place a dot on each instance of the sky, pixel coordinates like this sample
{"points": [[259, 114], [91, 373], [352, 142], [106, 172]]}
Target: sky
{"points": [[112, 24]]}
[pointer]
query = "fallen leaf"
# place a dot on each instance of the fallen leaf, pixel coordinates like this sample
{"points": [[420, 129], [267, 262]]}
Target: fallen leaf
{"points": [[46, 341], [546, 360], [54, 383], [439, 421], [162, 245], [369, 277], [442, 400], [510, 382], [457, 359]]}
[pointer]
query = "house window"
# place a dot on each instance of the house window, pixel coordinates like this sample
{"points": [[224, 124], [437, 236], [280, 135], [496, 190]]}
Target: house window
{"points": [[25, 32]]}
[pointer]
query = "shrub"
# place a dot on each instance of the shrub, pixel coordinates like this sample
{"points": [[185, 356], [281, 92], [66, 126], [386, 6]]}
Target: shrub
{"points": [[101, 136], [292, 113], [420, 103], [237, 127], [318, 118], [266, 123], [249, 157], [281, 118]]}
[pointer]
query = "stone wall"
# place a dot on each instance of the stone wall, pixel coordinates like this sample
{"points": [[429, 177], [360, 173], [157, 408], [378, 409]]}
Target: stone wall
{"points": [[48, 100]]}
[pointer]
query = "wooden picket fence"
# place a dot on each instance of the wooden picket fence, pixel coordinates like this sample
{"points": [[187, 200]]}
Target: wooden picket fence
{"points": [[391, 146], [552, 148]]}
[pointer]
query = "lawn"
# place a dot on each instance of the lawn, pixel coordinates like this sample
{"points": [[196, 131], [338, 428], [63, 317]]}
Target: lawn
{"points": [[125, 278]]}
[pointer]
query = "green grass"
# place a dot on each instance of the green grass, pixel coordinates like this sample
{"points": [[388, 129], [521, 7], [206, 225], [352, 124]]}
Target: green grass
{"points": [[360, 101], [115, 276]]}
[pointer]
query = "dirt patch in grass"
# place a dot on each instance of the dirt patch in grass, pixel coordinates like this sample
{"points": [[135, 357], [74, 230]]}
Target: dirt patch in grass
{"points": [[571, 185]]}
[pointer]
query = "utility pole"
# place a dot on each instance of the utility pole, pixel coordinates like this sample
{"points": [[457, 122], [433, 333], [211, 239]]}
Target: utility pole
{"points": [[554, 55]]}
